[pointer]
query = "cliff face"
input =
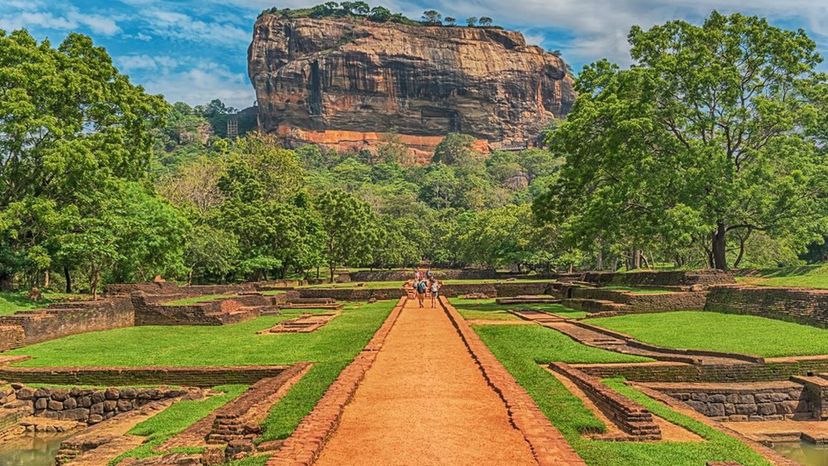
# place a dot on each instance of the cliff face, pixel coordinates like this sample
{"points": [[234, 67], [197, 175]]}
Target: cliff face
{"points": [[341, 82]]}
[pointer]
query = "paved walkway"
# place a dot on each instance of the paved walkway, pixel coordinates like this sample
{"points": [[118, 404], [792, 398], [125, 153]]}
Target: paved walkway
{"points": [[425, 401]]}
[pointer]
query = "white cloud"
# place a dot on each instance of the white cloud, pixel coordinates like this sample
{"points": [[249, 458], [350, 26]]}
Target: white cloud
{"points": [[144, 62], [179, 26], [203, 84], [17, 15]]}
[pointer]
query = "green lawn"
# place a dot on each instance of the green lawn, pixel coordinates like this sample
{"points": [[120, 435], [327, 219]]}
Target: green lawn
{"points": [[199, 299], [521, 348], [488, 309], [810, 276], [330, 348], [721, 332], [164, 425], [11, 302]]}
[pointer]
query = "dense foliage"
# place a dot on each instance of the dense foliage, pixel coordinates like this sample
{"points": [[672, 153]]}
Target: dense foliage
{"points": [[377, 14], [711, 150], [713, 142]]}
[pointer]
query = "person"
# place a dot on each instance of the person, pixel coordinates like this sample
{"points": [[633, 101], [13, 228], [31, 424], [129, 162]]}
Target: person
{"points": [[422, 286], [435, 291], [417, 276], [429, 275]]}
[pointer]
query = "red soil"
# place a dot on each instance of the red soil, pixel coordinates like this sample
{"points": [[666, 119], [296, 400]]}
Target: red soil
{"points": [[425, 401]]}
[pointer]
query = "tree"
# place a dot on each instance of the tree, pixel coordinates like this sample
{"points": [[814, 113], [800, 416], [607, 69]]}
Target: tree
{"points": [[350, 229], [471, 21], [716, 116], [432, 17], [257, 168], [455, 149], [450, 21], [71, 128], [485, 21], [380, 14], [360, 8]]}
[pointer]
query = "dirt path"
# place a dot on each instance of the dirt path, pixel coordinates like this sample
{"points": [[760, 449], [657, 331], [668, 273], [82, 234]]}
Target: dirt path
{"points": [[424, 401]]}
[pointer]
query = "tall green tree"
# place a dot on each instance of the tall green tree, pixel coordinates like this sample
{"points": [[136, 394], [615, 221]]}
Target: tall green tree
{"points": [[350, 226], [71, 128], [705, 139]]}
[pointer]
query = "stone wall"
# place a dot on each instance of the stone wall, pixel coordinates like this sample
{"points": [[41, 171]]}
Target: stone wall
{"points": [[85, 405], [65, 319], [746, 401], [805, 306], [151, 375], [634, 419]]}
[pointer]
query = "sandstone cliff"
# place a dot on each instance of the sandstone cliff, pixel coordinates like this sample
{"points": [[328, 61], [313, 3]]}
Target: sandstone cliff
{"points": [[344, 82]]}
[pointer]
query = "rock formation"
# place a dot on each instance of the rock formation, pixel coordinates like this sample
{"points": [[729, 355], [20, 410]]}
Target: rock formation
{"points": [[345, 82]]}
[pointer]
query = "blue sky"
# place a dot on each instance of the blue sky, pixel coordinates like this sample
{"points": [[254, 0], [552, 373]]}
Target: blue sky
{"points": [[196, 50]]}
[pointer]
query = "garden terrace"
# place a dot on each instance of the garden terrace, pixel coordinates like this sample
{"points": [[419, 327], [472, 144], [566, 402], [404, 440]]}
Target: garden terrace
{"points": [[805, 306]]}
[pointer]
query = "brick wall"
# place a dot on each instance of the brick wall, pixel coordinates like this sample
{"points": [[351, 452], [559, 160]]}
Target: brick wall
{"points": [[11, 336], [661, 302], [680, 278], [805, 306], [79, 317], [745, 401], [148, 311], [122, 376], [489, 289], [634, 419], [771, 370]]}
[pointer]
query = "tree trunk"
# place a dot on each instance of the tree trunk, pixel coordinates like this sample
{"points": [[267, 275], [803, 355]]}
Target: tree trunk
{"points": [[331, 267], [600, 260], [46, 279], [68, 277], [636, 259], [719, 247], [742, 241]]}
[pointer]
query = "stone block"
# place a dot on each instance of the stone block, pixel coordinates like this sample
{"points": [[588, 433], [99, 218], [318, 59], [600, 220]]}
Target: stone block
{"points": [[94, 418], [715, 409], [124, 405], [766, 409], [128, 393], [59, 395], [698, 396], [42, 393], [85, 401], [25, 393], [77, 414], [97, 408], [110, 406], [41, 403], [112, 393], [70, 403], [746, 409], [53, 405], [718, 398]]}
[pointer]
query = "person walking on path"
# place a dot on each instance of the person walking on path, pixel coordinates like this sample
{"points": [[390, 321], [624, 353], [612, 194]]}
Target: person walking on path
{"points": [[422, 287], [435, 291]]}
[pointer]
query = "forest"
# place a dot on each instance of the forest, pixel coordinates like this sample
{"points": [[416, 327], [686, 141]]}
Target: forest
{"points": [[665, 164]]}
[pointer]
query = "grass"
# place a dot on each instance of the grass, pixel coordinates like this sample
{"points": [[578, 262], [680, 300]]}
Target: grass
{"points": [[488, 309], [199, 299], [330, 348], [164, 425], [809, 276], [521, 348], [11, 302], [721, 332]]}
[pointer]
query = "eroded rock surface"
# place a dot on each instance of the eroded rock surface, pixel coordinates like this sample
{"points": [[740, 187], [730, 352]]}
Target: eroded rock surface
{"points": [[345, 82]]}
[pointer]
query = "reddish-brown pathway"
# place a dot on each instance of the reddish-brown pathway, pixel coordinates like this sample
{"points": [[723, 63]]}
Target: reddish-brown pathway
{"points": [[425, 401]]}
